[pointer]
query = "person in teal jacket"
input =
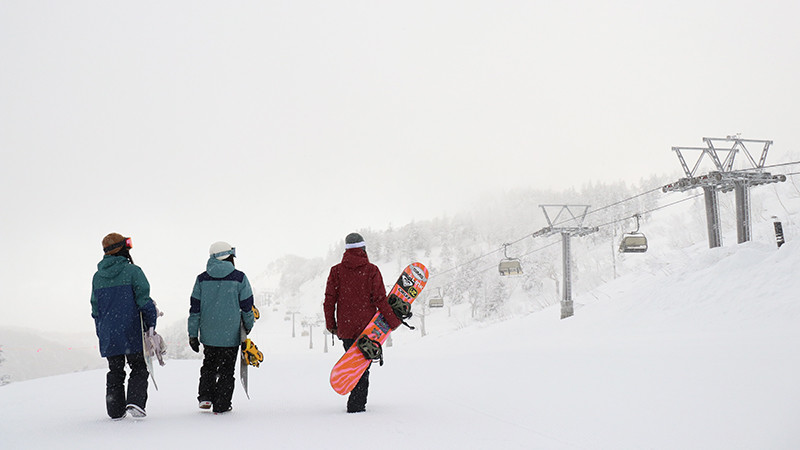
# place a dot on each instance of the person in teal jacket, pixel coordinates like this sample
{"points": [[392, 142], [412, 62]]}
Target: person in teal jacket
{"points": [[121, 307], [221, 303]]}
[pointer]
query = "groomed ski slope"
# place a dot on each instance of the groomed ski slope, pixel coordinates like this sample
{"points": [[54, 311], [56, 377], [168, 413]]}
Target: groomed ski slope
{"points": [[698, 354]]}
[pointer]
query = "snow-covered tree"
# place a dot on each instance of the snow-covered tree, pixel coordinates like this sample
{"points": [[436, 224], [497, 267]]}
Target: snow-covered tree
{"points": [[462, 251], [177, 339], [4, 378]]}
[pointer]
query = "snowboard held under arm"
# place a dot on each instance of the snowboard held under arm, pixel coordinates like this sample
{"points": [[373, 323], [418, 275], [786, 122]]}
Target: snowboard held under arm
{"points": [[348, 370]]}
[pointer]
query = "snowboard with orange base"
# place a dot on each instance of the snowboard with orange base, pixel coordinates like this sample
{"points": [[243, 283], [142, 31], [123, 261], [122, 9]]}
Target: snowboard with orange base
{"points": [[368, 347]]}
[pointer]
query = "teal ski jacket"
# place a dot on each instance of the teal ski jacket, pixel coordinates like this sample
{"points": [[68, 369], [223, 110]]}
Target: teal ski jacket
{"points": [[222, 299], [120, 294]]}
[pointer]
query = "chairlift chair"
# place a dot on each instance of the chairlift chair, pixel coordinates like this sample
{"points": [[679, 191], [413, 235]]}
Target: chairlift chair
{"points": [[633, 242], [509, 266], [436, 301]]}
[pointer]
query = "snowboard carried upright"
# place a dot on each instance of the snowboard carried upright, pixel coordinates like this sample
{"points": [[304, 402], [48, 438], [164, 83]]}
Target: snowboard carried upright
{"points": [[368, 347], [250, 355], [243, 361], [152, 345]]}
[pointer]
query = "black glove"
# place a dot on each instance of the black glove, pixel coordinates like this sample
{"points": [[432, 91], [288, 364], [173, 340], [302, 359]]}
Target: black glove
{"points": [[195, 344]]}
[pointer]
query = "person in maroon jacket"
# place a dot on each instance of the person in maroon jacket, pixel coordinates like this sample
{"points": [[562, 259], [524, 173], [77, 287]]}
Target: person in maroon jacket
{"points": [[354, 292]]}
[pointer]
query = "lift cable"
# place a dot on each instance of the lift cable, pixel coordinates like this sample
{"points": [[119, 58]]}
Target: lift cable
{"points": [[650, 210], [468, 262], [529, 234], [790, 163], [623, 201], [494, 266], [477, 258], [658, 189]]}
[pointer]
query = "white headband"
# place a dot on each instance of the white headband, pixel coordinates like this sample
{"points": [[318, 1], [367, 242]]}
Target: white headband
{"points": [[355, 245]]}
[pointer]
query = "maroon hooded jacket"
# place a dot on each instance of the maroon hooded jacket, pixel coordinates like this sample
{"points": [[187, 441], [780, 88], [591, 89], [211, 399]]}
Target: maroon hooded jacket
{"points": [[353, 294]]}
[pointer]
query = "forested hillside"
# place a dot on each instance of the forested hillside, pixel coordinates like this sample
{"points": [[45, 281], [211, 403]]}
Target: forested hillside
{"points": [[463, 251]]}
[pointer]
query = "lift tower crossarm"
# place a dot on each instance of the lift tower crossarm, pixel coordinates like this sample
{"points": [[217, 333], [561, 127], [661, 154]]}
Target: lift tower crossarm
{"points": [[703, 152], [739, 143], [566, 210], [725, 179]]}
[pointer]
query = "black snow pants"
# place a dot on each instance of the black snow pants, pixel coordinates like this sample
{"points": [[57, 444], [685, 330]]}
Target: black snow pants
{"points": [[116, 400], [357, 401], [217, 376]]}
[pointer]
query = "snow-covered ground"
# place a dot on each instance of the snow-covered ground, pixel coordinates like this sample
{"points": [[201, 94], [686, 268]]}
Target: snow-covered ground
{"points": [[700, 353]]}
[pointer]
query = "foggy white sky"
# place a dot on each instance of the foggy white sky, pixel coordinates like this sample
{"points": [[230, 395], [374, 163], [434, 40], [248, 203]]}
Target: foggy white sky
{"points": [[282, 126]]}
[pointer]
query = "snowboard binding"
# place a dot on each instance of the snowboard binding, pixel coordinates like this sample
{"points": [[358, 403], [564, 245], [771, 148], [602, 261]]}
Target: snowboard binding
{"points": [[251, 353], [370, 348], [401, 308]]}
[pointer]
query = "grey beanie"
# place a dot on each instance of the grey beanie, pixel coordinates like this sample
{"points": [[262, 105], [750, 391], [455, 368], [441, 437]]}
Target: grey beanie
{"points": [[354, 240]]}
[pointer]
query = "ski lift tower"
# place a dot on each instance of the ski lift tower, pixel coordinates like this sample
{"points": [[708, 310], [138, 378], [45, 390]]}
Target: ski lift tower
{"points": [[568, 222], [724, 178]]}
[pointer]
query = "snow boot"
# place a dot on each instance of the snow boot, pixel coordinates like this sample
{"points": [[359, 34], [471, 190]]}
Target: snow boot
{"points": [[205, 404], [136, 411], [230, 408]]}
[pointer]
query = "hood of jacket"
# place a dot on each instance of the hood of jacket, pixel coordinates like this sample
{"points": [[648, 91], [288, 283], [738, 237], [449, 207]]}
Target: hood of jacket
{"points": [[354, 258], [219, 269], [111, 266]]}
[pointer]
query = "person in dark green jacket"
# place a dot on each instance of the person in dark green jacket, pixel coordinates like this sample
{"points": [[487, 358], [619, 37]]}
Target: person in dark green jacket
{"points": [[221, 303], [121, 307]]}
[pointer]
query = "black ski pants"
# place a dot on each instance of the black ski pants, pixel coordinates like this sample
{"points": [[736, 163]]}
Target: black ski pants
{"points": [[116, 401], [357, 401], [217, 376]]}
